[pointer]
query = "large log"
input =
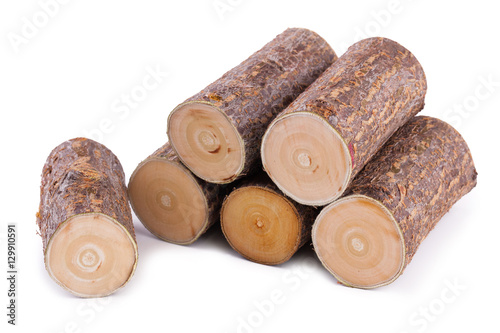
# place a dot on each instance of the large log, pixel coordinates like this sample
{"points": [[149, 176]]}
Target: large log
{"points": [[263, 225], [85, 220], [170, 201], [315, 147], [217, 132], [368, 237]]}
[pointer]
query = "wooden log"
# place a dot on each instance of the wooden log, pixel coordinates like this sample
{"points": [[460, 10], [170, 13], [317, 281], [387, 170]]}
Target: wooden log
{"points": [[84, 219], [170, 201], [368, 237], [217, 132], [263, 225], [315, 147]]}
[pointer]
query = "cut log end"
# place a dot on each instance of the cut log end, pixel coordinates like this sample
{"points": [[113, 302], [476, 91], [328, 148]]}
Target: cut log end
{"points": [[168, 201], [91, 255], [206, 142], [261, 225], [358, 241], [306, 158]]}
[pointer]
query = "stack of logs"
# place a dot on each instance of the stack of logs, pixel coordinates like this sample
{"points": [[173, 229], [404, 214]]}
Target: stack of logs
{"points": [[261, 150]]}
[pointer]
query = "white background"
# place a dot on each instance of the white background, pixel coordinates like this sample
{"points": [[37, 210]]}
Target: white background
{"points": [[67, 78]]}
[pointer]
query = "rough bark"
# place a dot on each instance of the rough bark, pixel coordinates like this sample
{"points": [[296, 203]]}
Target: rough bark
{"points": [[304, 214], [419, 174], [214, 193], [82, 176], [255, 91], [366, 95]]}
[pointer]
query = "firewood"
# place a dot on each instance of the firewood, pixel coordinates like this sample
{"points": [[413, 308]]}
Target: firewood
{"points": [[217, 132], [171, 202], [368, 237], [263, 225], [315, 147], [85, 220]]}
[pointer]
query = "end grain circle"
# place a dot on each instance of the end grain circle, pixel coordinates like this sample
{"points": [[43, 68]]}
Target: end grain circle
{"points": [[359, 242], [260, 225], [168, 201], [91, 255], [306, 158], [206, 142]]}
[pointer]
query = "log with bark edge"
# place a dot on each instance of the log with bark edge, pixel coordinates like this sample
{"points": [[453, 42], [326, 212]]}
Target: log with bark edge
{"points": [[368, 237], [263, 225], [85, 220], [217, 132], [171, 202], [315, 147]]}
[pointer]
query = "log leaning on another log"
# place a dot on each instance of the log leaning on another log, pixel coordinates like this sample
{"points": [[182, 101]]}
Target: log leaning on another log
{"points": [[217, 132], [85, 220], [315, 147], [368, 237]]}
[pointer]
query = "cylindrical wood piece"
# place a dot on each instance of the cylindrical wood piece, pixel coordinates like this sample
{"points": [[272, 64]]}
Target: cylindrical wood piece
{"points": [[368, 237], [85, 219], [263, 225], [170, 201], [217, 132], [315, 147]]}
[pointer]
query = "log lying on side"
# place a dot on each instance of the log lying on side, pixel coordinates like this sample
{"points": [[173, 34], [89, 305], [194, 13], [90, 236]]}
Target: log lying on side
{"points": [[369, 236], [85, 220], [217, 132], [263, 225], [170, 201], [314, 148]]}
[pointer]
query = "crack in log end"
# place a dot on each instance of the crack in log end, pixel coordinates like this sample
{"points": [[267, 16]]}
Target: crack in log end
{"points": [[216, 150]]}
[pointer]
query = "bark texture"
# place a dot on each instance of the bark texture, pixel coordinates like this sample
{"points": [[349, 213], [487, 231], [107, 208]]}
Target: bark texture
{"points": [[255, 91], [366, 95], [305, 214], [422, 170], [82, 176], [213, 193]]}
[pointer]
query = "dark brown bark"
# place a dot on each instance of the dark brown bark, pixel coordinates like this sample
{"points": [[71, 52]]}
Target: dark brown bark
{"points": [[255, 91], [82, 176], [214, 193], [304, 214], [422, 170], [366, 95]]}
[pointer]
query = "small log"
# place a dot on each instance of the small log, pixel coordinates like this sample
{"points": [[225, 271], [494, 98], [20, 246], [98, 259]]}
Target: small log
{"points": [[263, 225], [170, 201], [315, 147], [367, 238], [217, 132], [85, 221]]}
